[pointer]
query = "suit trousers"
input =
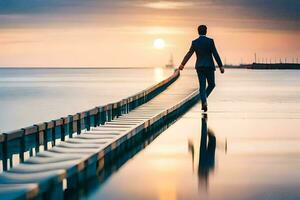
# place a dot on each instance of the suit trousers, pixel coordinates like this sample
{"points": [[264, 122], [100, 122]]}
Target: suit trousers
{"points": [[203, 76]]}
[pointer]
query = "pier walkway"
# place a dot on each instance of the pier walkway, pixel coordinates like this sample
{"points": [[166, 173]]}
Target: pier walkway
{"points": [[76, 159]]}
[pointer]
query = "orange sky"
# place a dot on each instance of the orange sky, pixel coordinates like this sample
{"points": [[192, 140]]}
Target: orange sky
{"points": [[121, 33]]}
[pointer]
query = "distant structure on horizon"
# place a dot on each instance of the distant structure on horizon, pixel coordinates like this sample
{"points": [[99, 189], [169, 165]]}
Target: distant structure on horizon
{"points": [[269, 66], [171, 63], [266, 63], [278, 66]]}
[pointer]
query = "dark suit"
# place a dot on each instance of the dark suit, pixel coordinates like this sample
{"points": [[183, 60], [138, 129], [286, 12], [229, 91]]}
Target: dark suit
{"points": [[205, 51]]}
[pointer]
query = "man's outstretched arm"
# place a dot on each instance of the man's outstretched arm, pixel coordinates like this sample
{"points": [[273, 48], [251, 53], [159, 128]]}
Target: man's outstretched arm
{"points": [[187, 57], [217, 57]]}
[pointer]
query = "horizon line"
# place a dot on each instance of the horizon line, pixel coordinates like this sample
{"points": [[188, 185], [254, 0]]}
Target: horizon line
{"points": [[2, 67]]}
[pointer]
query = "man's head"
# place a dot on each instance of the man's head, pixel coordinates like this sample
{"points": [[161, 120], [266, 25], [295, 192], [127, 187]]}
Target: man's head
{"points": [[202, 30]]}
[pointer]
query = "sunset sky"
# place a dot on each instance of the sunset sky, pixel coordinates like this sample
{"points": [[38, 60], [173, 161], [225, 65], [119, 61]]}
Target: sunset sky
{"points": [[121, 33]]}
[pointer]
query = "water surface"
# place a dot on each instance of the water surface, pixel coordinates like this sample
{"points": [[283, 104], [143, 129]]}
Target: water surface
{"points": [[247, 148], [30, 96]]}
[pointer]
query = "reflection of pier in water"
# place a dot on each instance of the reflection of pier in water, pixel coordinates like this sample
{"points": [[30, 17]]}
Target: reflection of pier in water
{"points": [[117, 159]]}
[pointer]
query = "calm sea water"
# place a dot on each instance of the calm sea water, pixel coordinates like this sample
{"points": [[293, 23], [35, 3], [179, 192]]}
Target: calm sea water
{"points": [[29, 96], [251, 149]]}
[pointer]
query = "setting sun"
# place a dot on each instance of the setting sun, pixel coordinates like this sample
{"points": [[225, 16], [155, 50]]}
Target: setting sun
{"points": [[159, 43]]}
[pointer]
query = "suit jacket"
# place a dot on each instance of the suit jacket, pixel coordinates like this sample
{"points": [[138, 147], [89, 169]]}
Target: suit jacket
{"points": [[205, 50]]}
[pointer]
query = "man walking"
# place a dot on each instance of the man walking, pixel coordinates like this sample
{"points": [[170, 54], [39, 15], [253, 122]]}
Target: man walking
{"points": [[205, 51]]}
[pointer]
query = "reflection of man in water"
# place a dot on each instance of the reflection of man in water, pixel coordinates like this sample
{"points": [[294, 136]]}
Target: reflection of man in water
{"points": [[207, 152]]}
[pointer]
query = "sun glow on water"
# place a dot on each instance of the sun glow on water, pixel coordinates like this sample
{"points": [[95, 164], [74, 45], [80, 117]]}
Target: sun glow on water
{"points": [[158, 74]]}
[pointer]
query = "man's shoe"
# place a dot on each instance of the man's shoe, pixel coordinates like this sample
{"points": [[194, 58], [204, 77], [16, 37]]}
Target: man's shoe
{"points": [[204, 107]]}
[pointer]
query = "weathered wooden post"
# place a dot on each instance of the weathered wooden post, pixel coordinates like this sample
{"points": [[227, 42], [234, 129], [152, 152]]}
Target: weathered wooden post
{"points": [[46, 136], [115, 110], [112, 112], [22, 145], [4, 151], [11, 161], [96, 117], [62, 129], [102, 115], [85, 117], [91, 118], [53, 132], [41, 131], [88, 120], [109, 112], [78, 129], [123, 107], [120, 104], [135, 102], [16, 136], [130, 104], [70, 125], [37, 139]]}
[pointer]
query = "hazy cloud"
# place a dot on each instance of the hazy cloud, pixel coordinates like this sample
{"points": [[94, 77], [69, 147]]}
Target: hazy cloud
{"points": [[168, 5], [271, 14]]}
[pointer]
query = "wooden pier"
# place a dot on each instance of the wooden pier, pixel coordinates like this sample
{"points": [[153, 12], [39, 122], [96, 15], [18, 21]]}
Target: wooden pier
{"points": [[88, 138]]}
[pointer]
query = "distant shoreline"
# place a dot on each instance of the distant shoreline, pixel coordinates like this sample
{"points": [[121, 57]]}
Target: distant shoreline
{"points": [[268, 66], [254, 66]]}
